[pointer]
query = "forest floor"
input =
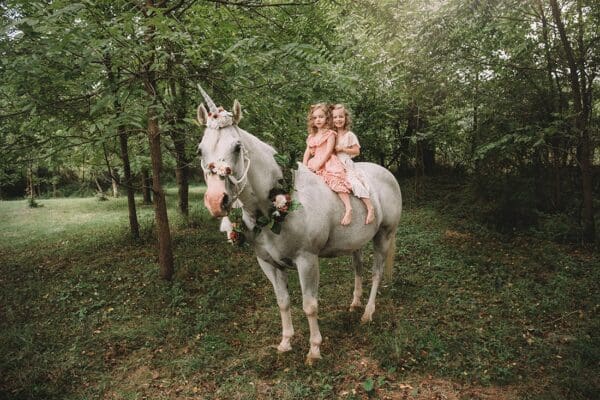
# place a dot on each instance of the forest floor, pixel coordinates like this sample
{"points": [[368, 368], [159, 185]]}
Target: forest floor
{"points": [[469, 314]]}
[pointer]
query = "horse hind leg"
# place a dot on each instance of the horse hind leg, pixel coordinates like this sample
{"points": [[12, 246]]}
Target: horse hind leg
{"points": [[382, 245], [358, 272], [278, 279]]}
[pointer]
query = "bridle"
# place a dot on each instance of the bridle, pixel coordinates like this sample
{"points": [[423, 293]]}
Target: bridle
{"points": [[222, 169]]}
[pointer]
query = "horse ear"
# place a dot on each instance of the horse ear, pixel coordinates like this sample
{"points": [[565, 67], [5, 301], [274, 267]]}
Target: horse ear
{"points": [[237, 111], [202, 114]]}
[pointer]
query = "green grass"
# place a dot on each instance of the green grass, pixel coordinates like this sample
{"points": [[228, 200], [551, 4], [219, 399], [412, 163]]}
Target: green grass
{"points": [[469, 314]]}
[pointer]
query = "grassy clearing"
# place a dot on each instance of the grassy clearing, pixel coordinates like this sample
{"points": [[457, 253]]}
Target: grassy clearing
{"points": [[469, 314]]}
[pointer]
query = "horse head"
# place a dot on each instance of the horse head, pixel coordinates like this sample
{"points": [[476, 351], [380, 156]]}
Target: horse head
{"points": [[224, 159]]}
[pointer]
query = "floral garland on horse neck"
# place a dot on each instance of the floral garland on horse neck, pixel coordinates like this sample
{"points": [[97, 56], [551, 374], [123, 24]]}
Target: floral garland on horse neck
{"points": [[282, 204]]}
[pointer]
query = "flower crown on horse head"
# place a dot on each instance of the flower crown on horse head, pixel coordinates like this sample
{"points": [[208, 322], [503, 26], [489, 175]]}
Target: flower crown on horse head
{"points": [[218, 117]]}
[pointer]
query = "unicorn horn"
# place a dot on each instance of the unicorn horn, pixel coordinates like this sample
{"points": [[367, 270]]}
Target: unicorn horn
{"points": [[211, 104]]}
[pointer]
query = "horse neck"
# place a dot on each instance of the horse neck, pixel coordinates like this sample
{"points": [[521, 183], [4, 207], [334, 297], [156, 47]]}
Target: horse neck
{"points": [[263, 174]]}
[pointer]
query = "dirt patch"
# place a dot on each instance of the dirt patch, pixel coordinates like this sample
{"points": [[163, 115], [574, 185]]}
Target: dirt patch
{"points": [[366, 379], [450, 234]]}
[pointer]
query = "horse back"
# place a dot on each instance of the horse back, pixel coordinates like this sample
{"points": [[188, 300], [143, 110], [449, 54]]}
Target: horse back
{"points": [[316, 226]]}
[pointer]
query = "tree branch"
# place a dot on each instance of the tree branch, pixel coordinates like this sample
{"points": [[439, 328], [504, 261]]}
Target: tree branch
{"points": [[249, 4]]}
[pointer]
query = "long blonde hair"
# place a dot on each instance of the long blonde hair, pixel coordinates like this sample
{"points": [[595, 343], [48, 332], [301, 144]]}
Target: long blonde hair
{"points": [[348, 118], [328, 119]]}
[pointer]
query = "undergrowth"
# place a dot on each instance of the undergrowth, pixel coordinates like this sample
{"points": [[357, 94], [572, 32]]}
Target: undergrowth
{"points": [[470, 313]]}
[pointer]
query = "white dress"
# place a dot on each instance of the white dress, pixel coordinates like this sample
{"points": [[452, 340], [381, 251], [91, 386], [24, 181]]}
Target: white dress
{"points": [[360, 188]]}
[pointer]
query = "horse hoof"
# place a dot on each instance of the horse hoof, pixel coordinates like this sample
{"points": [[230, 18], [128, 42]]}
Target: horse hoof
{"points": [[366, 319], [284, 348], [355, 307], [311, 359]]}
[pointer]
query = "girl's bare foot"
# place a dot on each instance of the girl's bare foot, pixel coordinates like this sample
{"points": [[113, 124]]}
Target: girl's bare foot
{"points": [[370, 215], [347, 218]]}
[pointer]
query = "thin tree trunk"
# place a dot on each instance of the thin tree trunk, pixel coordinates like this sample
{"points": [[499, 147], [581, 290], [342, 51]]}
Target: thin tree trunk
{"points": [[146, 185], [475, 134], [165, 257], [553, 105], [115, 186], [134, 226], [111, 172], [428, 152], [178, 94], [165, 253], [181, 175], [98, 186], [578, 92], [419, 167], [133, 221], [30, 184]]}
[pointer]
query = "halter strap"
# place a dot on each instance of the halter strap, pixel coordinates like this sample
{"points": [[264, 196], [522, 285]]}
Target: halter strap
{"points": [[238, 184]]}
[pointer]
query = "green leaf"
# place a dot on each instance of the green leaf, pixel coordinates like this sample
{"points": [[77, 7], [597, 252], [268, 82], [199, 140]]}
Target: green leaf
{"points": [[263, 220], [369, 385], [282, 159], [276, 227], [295, 205]]}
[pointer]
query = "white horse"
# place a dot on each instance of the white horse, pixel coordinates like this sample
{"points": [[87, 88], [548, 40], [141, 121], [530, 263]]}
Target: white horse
{"points": [[239, 167]]}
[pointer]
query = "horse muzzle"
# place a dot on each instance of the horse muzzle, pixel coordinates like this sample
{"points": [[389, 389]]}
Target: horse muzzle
{"points": [[216, 199]]}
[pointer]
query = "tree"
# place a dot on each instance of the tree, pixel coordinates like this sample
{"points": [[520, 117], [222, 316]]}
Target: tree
{"points": [[582, 72]]}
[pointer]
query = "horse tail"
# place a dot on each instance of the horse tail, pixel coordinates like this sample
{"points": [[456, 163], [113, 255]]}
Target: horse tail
{"points": [[389, 259]]}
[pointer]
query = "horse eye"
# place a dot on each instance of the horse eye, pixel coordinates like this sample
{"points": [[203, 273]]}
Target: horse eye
{"points": [[199, 151], [238, 147]]}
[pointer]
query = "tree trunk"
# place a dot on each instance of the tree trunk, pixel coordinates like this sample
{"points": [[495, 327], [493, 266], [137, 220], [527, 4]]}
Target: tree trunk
{"points": [[146, 184], [181, 175], [98, 186], [181, 169], [165, 253], [165, 257], [134, 226], [553, 106], [428, 152], [133, 221], [115, 185], [581, 108], [30, 185], [475, 134]]}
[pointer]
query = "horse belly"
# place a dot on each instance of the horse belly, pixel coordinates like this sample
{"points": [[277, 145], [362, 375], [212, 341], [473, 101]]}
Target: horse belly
{"points": [[345, 240]]}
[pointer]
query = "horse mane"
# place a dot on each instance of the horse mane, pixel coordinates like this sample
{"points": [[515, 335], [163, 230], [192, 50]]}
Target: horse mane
{"points": [[254, 144]]}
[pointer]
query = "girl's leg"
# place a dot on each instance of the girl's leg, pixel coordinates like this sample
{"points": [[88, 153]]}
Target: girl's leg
{"points": [[370, 211], [347, 218]]}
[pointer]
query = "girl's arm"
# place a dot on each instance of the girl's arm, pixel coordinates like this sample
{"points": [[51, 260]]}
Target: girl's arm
{"points": [[306, 156], [353, 150]]}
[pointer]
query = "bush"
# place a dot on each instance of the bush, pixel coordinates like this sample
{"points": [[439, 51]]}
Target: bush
{"points": [[508, 202], [31, 203]]}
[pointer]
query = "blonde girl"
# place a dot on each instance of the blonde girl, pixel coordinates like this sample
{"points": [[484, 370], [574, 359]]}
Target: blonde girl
{"points": [[320, 158], [348, 147]]}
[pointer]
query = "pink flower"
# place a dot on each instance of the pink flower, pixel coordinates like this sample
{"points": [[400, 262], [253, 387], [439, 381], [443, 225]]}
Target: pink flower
{"points": [[222, 169], [281, 201]]}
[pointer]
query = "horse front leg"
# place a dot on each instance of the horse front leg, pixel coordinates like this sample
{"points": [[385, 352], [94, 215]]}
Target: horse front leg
{"points": [[382, 243], [279, 280], [308, 272], [358, 271]]}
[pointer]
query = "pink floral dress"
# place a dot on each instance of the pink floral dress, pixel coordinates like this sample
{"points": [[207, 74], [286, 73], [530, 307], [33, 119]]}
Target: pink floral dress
{"points": [[332, 171]]}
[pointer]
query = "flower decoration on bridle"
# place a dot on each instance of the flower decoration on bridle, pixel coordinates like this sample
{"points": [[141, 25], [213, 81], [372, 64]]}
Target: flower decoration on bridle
{"points": [[237, 234]]}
